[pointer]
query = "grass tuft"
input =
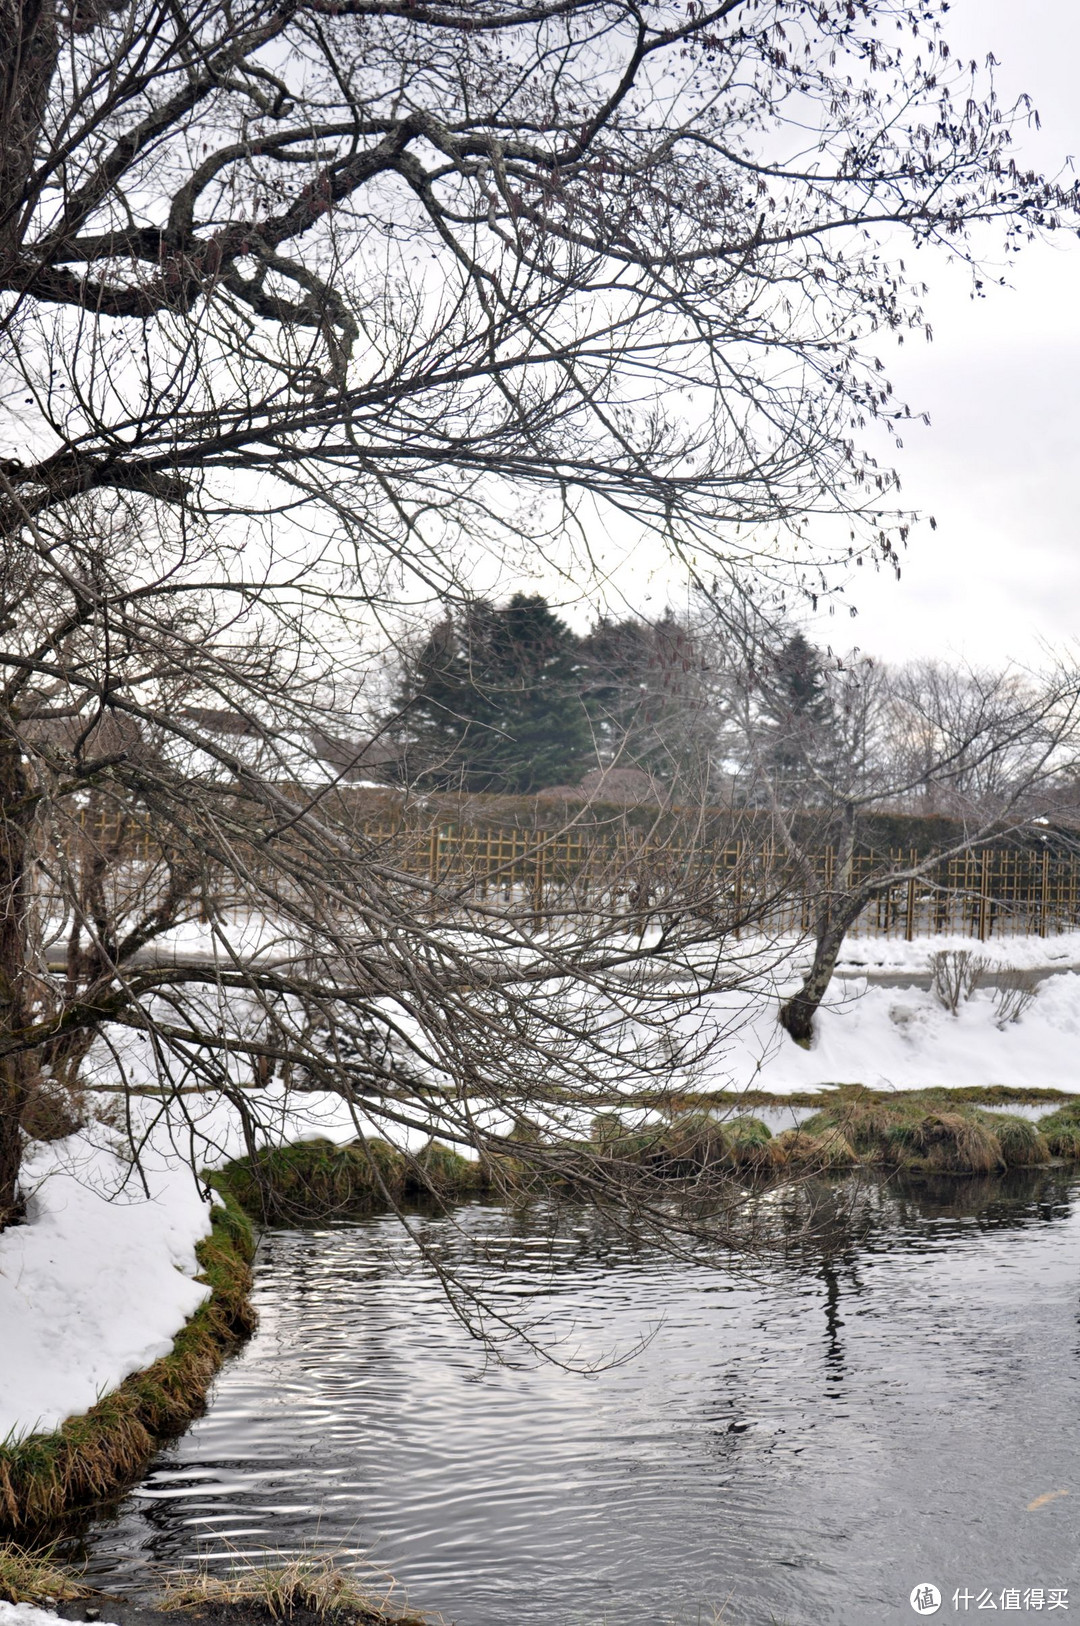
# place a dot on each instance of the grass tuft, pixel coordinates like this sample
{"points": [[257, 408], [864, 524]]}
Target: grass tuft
{"points": [[1061, 1130], [1021, 1141], [828, 1151], [31, 1577], [304, 1585], [316, 1180]]}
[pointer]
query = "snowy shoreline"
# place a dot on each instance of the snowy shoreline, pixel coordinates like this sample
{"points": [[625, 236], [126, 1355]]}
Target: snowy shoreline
{"points": [[99, 1280], [96, 1283]]}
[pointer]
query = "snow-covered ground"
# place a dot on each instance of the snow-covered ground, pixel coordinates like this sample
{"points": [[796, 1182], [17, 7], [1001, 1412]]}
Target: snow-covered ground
{"points": [[901, 1038], [892, 955], [25, 1614], [98, 1281]]}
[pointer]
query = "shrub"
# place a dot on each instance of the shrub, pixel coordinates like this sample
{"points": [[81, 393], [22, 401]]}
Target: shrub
{"points": [[954, 976], [1014, 993]]}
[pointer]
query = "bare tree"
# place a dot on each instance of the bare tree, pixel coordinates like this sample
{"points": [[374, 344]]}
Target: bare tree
{"points": [[296, 296], [988, 748]]}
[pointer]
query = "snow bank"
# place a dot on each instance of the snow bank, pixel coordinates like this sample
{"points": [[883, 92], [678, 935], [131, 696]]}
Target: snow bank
{"points": [[901, 1038], [26, 1614], [98, 1281], [893, 955]]}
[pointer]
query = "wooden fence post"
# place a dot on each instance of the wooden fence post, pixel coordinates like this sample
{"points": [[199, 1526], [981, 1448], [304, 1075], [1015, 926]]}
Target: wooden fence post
{"points": [[538, 886], [984, 895], [909, 924]]}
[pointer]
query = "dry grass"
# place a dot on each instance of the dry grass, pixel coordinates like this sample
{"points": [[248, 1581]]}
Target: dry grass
{"points": [[945, 1143], [1061, 1130], [1022, 1144], [318, 1180], [91, 1457], [825, 1152], [926, 1132], [31, 1577], [282, 1588]]}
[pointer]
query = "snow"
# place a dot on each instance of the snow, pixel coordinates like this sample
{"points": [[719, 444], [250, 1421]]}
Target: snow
{"points": [[98, 1281], [894, 955], [26, 1614], [900, 1038]]}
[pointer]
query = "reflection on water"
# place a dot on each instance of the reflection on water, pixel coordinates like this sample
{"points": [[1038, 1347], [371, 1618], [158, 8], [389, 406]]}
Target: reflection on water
{"points": [[801, 1446]]}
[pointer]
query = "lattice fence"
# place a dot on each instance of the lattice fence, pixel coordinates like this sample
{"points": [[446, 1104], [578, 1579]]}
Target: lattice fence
{"points": [[980, 893]]}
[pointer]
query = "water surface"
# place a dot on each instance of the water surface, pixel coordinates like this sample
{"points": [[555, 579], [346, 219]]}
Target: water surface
{"points": [[801, 1445]]}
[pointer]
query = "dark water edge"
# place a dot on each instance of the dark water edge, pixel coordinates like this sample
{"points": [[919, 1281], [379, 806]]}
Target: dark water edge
{"points": [[799, 1444]]}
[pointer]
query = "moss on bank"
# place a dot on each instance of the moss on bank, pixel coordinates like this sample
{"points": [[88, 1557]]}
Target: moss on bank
{"points": [[317, 1180], [929, 1132], [44, 1478]]}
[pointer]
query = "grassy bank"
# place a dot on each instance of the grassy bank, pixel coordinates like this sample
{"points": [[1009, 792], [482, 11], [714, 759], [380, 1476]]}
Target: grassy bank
{"points": [[45, 1478], [986, 1095], [926, 1131], [301, 1589], [921, 1132], [931, 1132], [317, 1180]]}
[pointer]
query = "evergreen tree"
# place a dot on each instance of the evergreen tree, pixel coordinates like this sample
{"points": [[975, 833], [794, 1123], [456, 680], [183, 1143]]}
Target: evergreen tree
{"points": [[493, 701], [798, 705], [642, 683]]}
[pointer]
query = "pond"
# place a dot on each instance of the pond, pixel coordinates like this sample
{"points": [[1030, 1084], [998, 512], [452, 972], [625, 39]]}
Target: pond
{"points": [[897, 1401]]}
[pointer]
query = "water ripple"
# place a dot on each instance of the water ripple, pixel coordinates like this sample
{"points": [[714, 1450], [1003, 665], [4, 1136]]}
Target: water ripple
{"points": [[802, 1446]]}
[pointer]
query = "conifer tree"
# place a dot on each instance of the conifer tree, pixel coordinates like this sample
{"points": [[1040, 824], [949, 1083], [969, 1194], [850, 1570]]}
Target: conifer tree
{"points": [[799, 718], [491, 701]]}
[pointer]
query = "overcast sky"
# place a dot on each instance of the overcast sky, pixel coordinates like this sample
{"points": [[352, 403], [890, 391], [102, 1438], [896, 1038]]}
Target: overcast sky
{"points": [[998, 467]]}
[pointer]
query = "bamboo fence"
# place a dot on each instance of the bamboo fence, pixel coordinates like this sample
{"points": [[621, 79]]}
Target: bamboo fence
{"points": [[981, 893]]}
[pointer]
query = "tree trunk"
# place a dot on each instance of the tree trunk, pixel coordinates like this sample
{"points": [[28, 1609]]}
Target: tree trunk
{"points": [[19, 1071], [797, 1013]]}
